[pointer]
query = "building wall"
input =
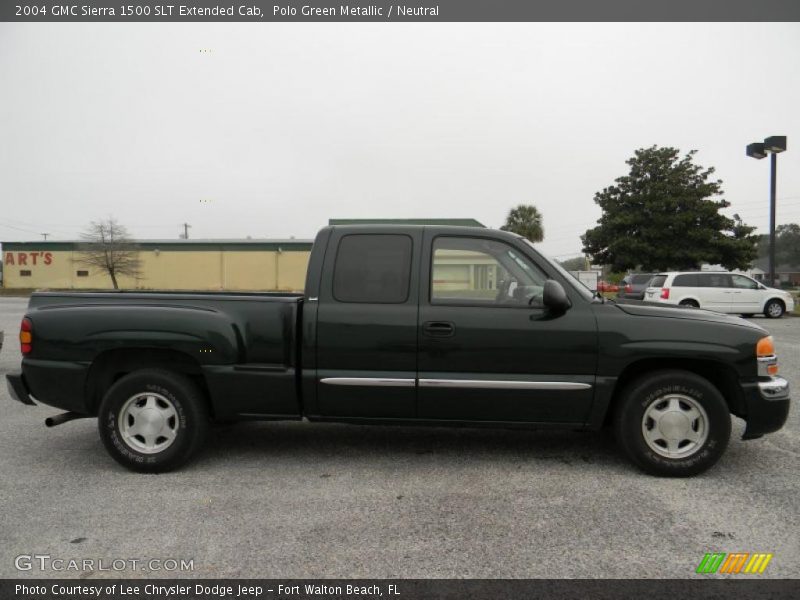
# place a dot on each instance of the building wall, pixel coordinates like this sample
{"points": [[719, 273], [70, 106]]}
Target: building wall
{"points": [[56, 267]]}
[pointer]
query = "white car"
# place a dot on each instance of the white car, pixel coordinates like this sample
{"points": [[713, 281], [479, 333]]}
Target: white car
{"points": [[719, 291]]}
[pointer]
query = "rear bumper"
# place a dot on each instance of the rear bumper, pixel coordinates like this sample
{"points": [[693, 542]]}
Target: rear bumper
{"points": [[767, 403], [18, 389], [56, 383]]}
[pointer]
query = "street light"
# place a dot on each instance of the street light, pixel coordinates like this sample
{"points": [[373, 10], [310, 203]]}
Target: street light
{"points": [[772, 145]]}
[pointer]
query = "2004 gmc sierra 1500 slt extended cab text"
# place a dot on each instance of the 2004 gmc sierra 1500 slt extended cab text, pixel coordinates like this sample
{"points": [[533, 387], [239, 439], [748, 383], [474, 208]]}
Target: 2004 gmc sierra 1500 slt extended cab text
{"points": [[402, 325]]}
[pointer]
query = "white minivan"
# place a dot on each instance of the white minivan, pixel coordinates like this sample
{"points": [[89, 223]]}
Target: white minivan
{"points": [[720, 291]]}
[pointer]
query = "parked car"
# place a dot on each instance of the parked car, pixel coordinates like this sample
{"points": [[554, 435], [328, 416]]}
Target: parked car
{"points": [[719, 291], [402, 325], [633, 286], [604, 286]]}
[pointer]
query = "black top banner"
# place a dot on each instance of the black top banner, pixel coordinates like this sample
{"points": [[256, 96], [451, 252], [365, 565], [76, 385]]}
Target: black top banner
{"points": [[398, 11]]}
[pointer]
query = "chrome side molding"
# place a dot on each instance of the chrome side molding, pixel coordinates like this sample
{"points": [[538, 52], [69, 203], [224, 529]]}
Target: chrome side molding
{"points": [[503, 385], [369, 381]]}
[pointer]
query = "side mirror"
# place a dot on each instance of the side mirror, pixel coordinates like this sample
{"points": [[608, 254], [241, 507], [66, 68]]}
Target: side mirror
{"points": [[554, 297]]}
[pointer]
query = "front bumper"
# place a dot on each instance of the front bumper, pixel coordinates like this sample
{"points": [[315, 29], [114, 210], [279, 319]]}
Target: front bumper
{"points": [[18, 389], [767, 402]]}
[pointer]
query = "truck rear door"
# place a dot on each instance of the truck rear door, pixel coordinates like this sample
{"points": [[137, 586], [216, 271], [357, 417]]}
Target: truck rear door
{"points": [[367, 324]]}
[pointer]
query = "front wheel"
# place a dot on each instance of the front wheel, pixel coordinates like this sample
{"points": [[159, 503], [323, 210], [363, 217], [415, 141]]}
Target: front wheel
{"points": [[152, 420], [774, 309], [673, 423]]}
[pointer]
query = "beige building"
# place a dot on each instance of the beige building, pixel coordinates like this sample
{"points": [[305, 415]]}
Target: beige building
{"points": [[263, 265]]}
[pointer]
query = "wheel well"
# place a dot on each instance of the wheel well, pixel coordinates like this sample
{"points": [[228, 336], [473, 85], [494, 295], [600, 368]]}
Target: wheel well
{"points": [[690, 301], [779, 300], [721, 376], [112, 365]]}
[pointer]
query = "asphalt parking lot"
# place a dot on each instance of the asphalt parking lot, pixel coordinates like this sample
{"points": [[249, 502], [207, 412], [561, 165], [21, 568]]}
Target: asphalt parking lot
{"points": [[302, 500]]}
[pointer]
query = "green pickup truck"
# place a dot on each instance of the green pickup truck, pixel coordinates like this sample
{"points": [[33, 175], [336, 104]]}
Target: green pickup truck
{"points": [[402, 325]]}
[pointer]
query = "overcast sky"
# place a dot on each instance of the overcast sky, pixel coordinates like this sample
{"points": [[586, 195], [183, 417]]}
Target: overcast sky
{"points": [[278, 127]]}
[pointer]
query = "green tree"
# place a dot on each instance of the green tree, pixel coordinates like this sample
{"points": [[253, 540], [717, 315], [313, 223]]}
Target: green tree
{"points": [[574, 264], [664, 215], [787, 245], [525, 220]]}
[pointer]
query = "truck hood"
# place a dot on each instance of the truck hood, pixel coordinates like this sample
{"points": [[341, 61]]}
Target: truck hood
{"points": [[695, 314]]}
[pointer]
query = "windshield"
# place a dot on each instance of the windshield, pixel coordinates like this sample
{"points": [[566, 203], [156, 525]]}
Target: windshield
{"points": [[581, 287]]}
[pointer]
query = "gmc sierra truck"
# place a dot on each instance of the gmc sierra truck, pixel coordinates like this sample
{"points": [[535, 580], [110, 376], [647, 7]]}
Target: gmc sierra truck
{"points": [[402, 325]]}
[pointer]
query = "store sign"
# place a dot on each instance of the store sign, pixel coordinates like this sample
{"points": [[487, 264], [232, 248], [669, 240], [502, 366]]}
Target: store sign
{"points": [[28, 259]]}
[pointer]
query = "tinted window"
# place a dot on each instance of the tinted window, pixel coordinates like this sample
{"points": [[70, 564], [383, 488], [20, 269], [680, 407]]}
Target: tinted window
{"points": [[658, 281], [686, 280], [372, 268], [639, 279], [720, 280], [473, 270]]}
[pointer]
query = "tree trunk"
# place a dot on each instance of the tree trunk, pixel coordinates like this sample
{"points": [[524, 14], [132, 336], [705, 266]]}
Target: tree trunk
{"points": [[114, 280]]}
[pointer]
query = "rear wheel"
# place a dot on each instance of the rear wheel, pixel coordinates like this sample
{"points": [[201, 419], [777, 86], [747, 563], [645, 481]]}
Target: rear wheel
{"points": [[672, 423], [774, 309], [152, 420], [689, 304]]}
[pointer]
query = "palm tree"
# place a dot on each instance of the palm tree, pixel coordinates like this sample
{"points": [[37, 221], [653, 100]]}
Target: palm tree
{"points": [[525, 220]]}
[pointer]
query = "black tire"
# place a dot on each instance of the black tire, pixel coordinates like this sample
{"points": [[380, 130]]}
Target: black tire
{"points": [[689, 304], [648, 393], [774, 309], [168, 394]]}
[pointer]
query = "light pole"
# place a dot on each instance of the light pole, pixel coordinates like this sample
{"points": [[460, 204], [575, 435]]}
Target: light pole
{"points": [[772, 145]]}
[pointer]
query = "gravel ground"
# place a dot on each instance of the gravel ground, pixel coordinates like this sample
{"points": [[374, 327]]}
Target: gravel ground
{"points": [[303, 500]]}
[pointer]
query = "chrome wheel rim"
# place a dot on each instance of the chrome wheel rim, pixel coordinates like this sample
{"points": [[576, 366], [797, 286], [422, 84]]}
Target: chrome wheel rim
{"points": [[675, 426], [774, 309], [148, 422]]}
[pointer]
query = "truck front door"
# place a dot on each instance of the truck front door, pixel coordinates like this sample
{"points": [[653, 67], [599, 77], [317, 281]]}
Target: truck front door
{"points": [[489, 349]]}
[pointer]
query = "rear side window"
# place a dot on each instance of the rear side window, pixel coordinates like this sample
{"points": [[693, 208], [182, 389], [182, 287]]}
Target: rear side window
{"points": [[639, 279], [373, 268], [658, 281], [718, 280], [686, 280]]}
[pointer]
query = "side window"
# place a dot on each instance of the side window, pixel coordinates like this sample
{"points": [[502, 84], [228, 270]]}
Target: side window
{"points": [[483, 272], [744, 283], [686, 280], [657, 281], [373, 268], [718, 280]]}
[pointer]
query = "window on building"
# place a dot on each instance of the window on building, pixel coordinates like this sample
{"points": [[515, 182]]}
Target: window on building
{"points": [[480, 271], [82, 273], [373, 268], [24, 273]]}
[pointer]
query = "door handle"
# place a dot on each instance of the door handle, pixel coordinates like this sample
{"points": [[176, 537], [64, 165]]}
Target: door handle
{"points": [[439, 328]]}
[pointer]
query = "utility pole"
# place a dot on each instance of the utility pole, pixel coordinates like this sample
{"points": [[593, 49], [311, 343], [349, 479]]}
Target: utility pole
{"points": [[186, 227], [44, 235]]}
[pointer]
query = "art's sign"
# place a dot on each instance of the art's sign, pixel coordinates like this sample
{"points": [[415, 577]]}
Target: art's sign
{"points": [[28, 259]]}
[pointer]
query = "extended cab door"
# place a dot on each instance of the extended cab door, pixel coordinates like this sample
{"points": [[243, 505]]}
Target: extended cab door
{"points": [[489, 350], [366, 336]]}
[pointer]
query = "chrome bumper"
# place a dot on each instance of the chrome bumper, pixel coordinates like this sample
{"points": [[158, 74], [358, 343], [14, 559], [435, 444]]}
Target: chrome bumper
{"points": [[776, 388]]}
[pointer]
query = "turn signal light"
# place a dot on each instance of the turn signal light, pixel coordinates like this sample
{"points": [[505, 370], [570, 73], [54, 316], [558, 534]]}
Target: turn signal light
{"points": [[665, 293], [628, 288], [765, 346], [26, 336]]}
